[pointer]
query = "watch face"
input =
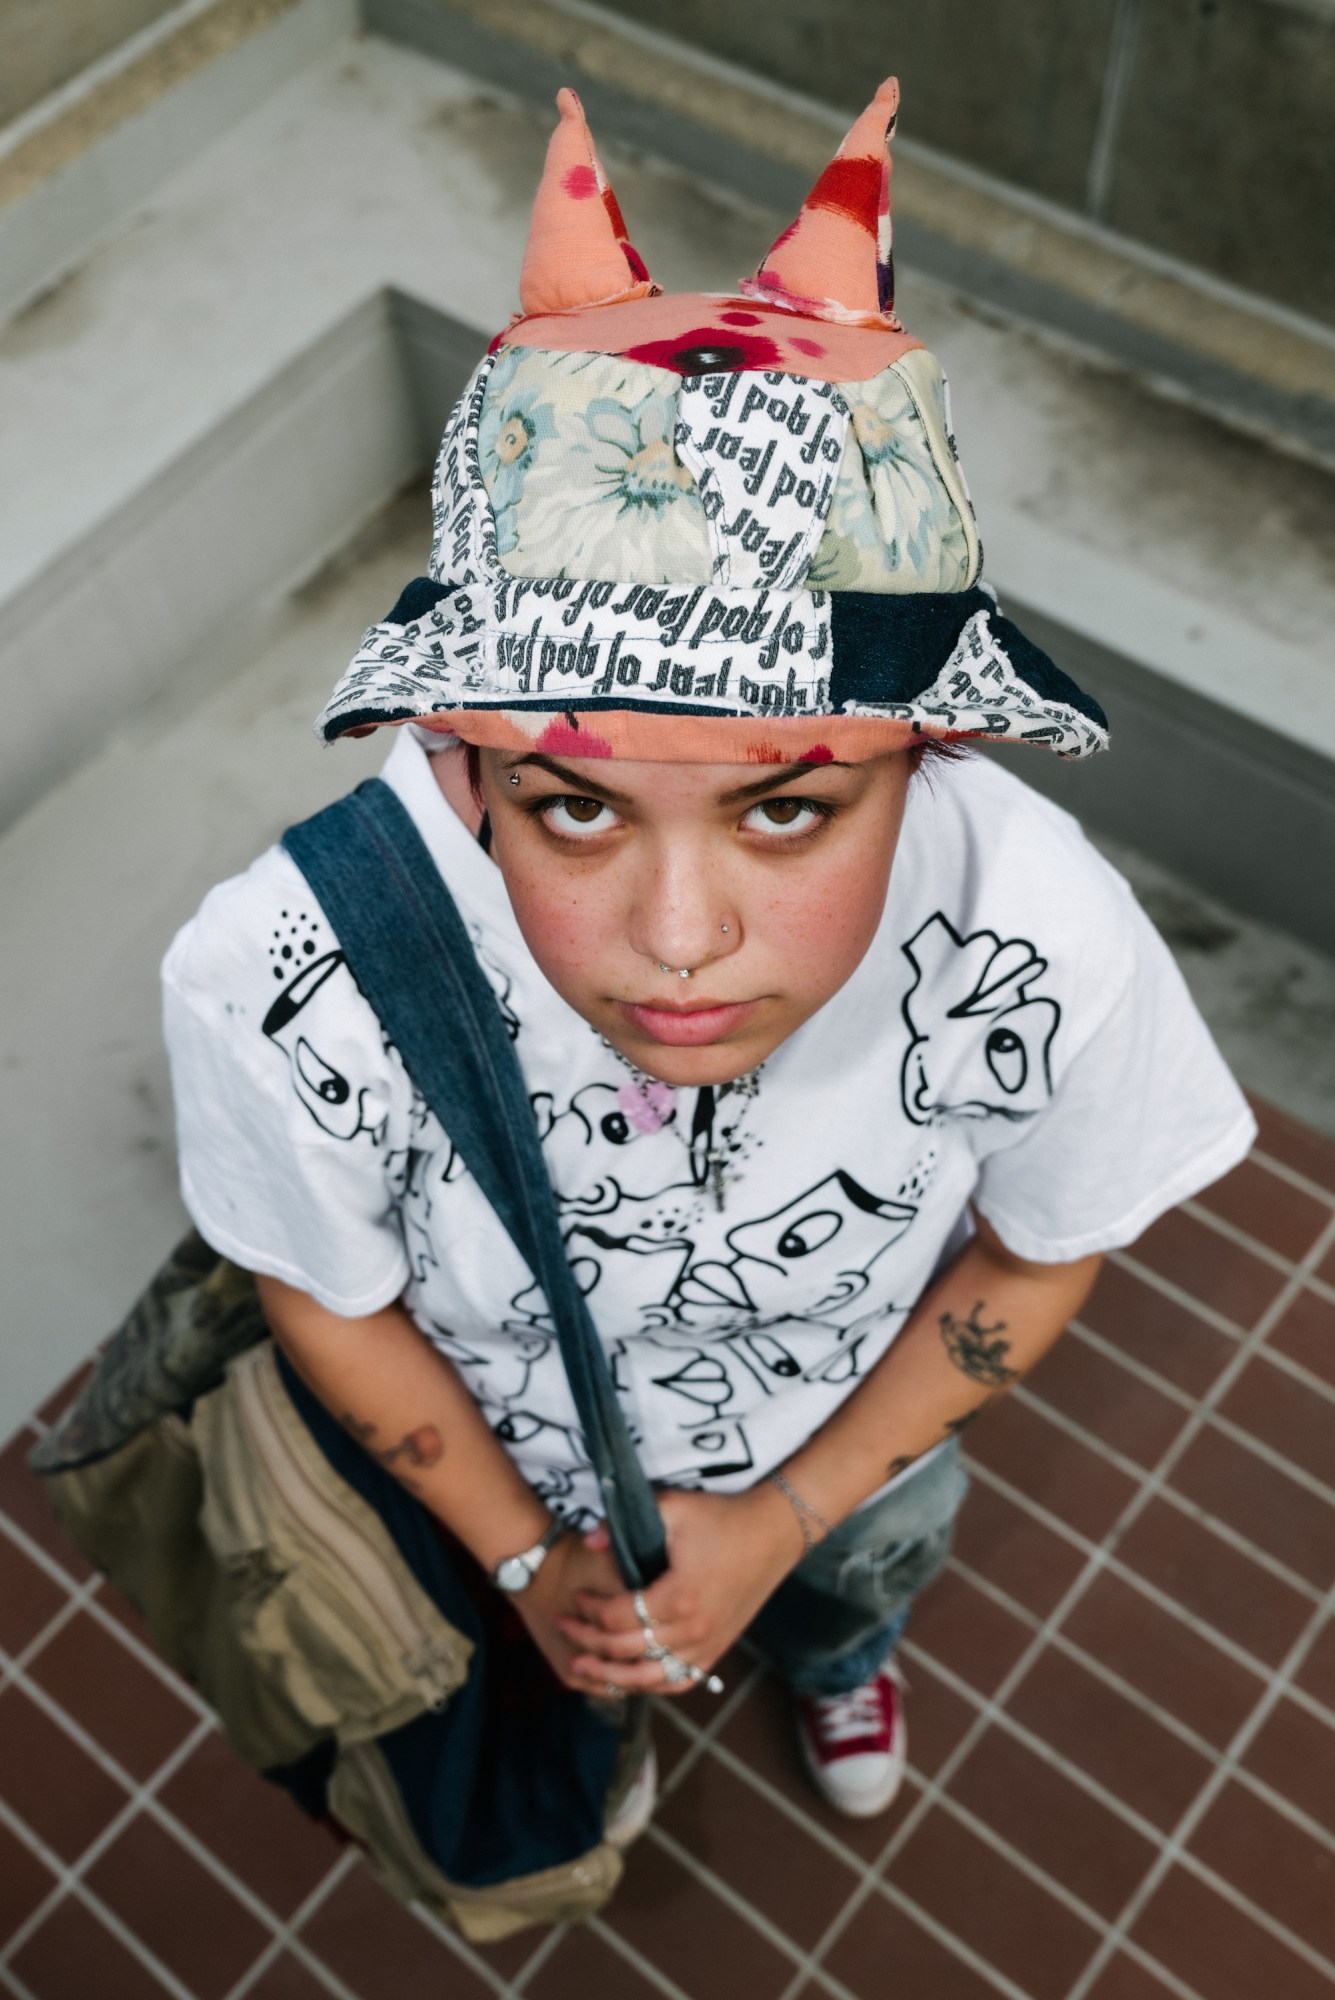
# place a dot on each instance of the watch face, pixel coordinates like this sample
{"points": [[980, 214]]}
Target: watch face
{"points": [[513, 1574]]}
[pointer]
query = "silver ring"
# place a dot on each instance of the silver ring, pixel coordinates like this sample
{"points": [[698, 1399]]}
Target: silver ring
{"points": [[613, 1692], [642, 1610]]}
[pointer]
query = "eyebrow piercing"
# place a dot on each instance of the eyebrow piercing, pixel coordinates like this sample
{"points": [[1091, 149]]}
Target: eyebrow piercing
{"points": [[514, 777]]}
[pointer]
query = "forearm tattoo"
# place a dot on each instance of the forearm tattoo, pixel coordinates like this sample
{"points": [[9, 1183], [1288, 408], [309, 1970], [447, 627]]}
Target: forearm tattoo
{"points": [[418, 1448], [978, 1351], [951, 1427]]}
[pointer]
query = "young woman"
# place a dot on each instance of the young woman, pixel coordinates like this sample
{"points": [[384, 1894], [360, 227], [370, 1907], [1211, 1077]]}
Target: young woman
{"points": [[847, 1066]]}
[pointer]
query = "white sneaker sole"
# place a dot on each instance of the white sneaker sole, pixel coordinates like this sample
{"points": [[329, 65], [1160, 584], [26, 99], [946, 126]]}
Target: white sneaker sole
{"points": [[855, 1804], [637, 1808]]}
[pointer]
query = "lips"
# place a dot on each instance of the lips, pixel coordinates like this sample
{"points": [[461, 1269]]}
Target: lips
{"points": [[691, 1027]]}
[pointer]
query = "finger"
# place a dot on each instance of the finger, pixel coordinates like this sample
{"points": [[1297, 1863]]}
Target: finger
{"points": [[635, 1677], [610, 1614], [603, 1645]]}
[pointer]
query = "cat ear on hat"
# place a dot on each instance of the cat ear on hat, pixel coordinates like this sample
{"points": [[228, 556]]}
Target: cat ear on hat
{"points": [[834, 261], [577, 253]]}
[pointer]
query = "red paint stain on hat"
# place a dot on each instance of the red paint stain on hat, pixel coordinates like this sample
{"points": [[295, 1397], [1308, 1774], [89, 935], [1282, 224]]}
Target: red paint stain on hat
{"points": [[851, 188], [819, 753], [580, 183], [563, 737]]}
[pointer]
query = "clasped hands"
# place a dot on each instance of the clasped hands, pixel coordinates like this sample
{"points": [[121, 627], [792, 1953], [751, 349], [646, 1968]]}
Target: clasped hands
{"points": [[726, 1554]]}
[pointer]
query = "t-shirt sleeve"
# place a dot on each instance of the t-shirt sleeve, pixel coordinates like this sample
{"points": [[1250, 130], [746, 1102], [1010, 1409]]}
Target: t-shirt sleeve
{"points": [[287, 1096], [1145, 1114]]}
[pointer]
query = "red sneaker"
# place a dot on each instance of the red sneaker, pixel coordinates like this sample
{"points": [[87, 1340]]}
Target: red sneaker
{"points": [[854, 1745]]}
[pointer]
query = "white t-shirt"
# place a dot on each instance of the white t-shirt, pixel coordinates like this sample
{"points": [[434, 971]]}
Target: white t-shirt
{"points": [[1016, 1036]]}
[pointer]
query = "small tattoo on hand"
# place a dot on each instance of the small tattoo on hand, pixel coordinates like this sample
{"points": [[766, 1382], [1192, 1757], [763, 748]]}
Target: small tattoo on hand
{"points": [[977, 1350]]}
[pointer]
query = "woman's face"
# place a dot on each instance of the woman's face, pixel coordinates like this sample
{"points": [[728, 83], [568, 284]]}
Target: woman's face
{"points": [[765, 884]]}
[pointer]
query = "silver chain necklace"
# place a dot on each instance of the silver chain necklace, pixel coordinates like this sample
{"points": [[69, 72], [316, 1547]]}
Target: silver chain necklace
{"points": [[649, 1104]]}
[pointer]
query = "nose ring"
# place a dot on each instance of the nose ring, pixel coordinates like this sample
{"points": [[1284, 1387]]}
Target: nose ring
{"points": [[724, 929], [684, 973]]}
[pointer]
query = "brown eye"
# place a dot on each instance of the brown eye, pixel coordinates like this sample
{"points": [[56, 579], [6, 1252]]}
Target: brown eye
{"points": [[785, 812], [583, 811]]}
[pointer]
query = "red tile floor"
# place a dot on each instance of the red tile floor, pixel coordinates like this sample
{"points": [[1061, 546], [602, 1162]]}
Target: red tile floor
{"points": [[1122, 1719]]}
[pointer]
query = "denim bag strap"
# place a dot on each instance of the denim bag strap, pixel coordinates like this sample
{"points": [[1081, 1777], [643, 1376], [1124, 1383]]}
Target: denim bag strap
{"points": [[407, 948]]}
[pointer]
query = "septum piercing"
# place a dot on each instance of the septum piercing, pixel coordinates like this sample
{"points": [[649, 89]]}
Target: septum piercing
{"points": [[684, 973]]}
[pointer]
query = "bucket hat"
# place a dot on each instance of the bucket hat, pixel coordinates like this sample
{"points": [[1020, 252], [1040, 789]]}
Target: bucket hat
{"points": [[722, 528]]}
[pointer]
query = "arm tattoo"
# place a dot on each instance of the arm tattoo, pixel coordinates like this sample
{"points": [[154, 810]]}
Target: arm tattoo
{"points": [[898, 1465], [957, 1424], [419, 1448], [976, 1350]]}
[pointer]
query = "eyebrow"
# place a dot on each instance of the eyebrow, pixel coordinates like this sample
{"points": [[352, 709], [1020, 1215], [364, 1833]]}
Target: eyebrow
{"points": [[593, 789]]}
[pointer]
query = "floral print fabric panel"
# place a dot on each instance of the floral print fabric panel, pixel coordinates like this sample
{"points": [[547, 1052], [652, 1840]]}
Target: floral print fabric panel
{"points": [[901, 519], [576, 453]]}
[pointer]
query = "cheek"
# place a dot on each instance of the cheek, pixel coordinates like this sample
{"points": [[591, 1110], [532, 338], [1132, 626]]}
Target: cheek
{"points": [[822, 933], [570, 927]]}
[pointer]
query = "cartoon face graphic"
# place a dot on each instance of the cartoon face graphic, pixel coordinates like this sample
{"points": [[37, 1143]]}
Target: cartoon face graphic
{"points": [[596, 1117], [305, 1023], [813, 1256], [980, 1041]]}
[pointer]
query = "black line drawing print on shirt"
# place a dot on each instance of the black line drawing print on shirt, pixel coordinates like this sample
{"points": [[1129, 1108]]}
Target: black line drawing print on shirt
{"points": [[813, 1256], [308, 1023], [979, 1040]]}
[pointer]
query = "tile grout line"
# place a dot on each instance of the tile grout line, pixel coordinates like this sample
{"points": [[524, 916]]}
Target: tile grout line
{"points": [[1156, 1836], [866, 1871], [935, 1789], [1175, 1849], [89, 1592], [1182, 1503], [1178, 1295], [554, 1939], [1028, 1399], [287, 1940], [1145, 1588], [1131, 1365], [1082, 1582], [736, 1902], [1299, 1372], [1277, 1682], [1164, 1717], [636, 1959], [68, 1884], [143, 1799], [12, 1663], [70, 1873], [807, 1967], [460, 1947], [1256, 1246], [1293, 1175]]}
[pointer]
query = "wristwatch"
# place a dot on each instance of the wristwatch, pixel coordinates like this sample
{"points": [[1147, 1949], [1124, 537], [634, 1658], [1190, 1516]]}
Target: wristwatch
{"points": [[516, 1573]]}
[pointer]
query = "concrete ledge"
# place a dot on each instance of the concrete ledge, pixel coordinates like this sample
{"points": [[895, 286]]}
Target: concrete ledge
{"points": [[1241, 812], [84, 157], [132, 612]]}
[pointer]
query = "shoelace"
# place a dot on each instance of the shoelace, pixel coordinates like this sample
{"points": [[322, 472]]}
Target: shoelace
{"points": [[841, 1717]]}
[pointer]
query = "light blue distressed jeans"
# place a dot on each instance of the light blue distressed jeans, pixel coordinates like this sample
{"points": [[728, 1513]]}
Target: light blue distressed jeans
{"points": [[839, 1615]]}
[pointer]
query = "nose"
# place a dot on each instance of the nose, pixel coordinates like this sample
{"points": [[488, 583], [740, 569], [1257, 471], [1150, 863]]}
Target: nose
{"points": [[682, 917]]}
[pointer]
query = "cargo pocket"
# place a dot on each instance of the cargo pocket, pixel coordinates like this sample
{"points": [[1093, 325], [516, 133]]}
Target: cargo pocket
{"points": [[321, 1602]]}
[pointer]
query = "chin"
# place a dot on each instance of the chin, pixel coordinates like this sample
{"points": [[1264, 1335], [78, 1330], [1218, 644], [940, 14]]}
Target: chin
{"points": [[688, 1069]]}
